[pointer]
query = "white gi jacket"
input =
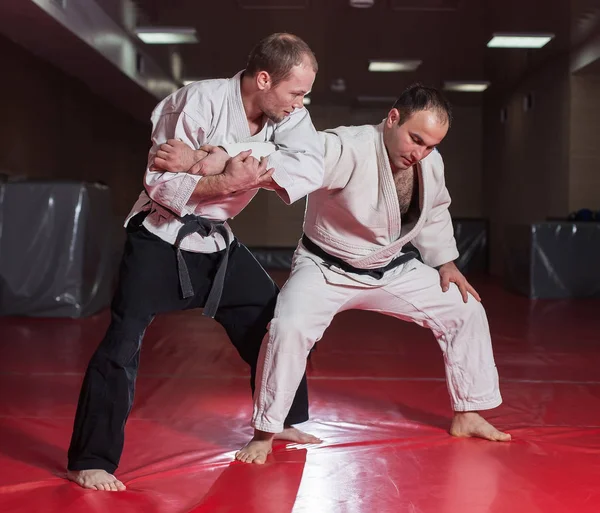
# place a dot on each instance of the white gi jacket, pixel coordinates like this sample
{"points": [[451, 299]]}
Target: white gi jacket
{"points": [[355, 216], [212, 112]]}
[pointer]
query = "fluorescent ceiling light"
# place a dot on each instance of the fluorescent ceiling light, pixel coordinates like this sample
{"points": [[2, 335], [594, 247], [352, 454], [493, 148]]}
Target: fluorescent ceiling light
{"points": [[394, 65], [519, 40], [306, 100], [476, 86], [166, 35]]}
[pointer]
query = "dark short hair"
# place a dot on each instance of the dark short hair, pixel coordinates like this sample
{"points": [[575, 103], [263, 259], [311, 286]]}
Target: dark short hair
{"points": [[418, 97], [277, 54]]}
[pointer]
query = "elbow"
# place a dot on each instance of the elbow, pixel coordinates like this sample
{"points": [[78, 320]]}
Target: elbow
{"points": [[152, 191], [317, 174], [156, 194], [174, 193], [149, 190], [318, 178]]}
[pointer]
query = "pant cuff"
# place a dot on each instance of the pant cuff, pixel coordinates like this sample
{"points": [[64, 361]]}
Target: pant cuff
{"points": [[296, 419], [92, 465], [267, 427], [478, 405]]}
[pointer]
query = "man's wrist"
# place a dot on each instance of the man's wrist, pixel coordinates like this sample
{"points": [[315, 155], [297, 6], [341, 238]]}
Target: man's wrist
{"points": [[228, 185], [199, 155]]}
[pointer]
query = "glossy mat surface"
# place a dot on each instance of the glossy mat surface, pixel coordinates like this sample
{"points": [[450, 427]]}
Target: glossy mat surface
{"points": [[378, 399]]}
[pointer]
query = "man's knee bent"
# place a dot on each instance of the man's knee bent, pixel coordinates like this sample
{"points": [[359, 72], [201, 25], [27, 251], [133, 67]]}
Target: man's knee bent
{"points": [[122, 340], [294, 329], [469, 313]]}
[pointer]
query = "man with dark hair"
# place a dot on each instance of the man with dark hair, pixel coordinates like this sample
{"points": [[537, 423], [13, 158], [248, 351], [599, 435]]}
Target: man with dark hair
{"points": [[384, 187], [418, 98], [180, 252]]}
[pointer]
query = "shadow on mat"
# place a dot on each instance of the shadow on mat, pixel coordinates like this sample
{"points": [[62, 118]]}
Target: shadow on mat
{"points": [[269, 488]]}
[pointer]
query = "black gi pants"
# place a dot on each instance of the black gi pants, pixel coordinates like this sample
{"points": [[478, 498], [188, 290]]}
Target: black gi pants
{"points": [[148, 285]]}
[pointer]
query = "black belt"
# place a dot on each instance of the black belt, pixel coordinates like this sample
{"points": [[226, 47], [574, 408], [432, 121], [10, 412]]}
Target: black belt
{"points": [[205, 227], [375, 273]]}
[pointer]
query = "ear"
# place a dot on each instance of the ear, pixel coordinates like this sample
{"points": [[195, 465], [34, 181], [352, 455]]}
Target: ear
{"points": [[263, 80], [393, 118]]}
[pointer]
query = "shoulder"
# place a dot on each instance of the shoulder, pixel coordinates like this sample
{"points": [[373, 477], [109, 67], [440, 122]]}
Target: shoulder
{"points": [[196, 99], [352, 134]]}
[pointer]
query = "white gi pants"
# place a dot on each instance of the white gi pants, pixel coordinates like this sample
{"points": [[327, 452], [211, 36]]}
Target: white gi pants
{"points": [[314, 293]]}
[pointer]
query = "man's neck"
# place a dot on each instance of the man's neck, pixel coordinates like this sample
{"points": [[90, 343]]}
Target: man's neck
{"points": [[253, 113]]}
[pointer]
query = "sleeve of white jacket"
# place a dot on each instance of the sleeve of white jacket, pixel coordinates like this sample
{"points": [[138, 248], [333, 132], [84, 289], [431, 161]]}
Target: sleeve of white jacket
{"points": [[173, 190], [259, 149], [339, 163], [298, 161], [332, 156], [436, 241]]}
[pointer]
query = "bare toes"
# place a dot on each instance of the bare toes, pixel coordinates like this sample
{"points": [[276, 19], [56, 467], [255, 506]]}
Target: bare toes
{"points": [[503, 437]]}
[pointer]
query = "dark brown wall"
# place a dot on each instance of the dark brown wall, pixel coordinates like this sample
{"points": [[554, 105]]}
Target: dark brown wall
{"points": [[53, 127], [526, 159]]}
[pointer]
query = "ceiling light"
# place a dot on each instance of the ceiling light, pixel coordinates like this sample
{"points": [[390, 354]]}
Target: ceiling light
{"points": [[506, 40], [166, 35], [476, 86], [338, 85], [394, 65], [306, 100]]}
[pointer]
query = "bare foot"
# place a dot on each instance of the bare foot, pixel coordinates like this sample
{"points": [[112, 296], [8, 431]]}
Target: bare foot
{"points": [[96, 479], [291, 434], [471, 424], [257, 449]]}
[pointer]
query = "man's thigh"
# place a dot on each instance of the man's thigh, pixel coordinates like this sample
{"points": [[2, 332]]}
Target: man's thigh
{"points": [[308, 300], [416, 295], [148, 275], [246, 283]]}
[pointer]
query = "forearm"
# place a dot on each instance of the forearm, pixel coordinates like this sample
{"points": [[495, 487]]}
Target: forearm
{"points": [[436, 254], [212, 187], [298, 160], [436, 242], [172, 190]]}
